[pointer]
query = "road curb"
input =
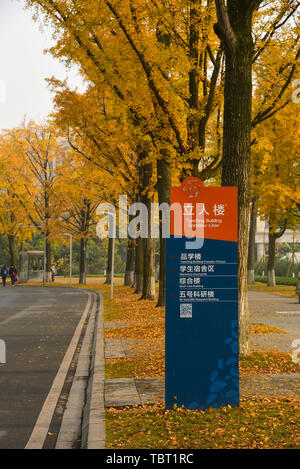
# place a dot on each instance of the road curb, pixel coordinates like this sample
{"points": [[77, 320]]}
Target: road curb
{"points": [[93, 421], [70, 430], [43, 422]]}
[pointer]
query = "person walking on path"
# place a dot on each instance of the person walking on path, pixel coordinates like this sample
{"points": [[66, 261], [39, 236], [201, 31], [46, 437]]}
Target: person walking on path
{"points": [[4, 273], [13, 273], [53, 272]]}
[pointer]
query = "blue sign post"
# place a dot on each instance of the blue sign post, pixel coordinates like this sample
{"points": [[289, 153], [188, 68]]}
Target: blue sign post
{"points": [[202, 299]]}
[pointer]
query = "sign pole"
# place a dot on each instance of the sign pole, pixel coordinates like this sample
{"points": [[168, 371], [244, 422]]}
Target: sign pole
{"points": [[71, 258], [45, 259], [112, 274], [202, 298]]}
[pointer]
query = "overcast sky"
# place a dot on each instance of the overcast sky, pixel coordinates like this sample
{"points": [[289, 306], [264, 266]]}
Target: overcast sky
{"points": [[24, 66]]}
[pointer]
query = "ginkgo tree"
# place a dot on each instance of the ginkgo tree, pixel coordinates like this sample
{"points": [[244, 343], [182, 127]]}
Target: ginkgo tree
{"points": [[276, 64], [94, 124], [41, 150], [236, 28], [276, 178], [13, 217], [163, 64], [80, 189]]}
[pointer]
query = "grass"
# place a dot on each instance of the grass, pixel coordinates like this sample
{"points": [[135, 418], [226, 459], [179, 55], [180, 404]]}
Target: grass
{"points": [[100, 276], [268, 363], [279, 280], [145, 324], [137, 367], [144, 321], [286, 290], [263, 423], [154, 365], [262, 329]]}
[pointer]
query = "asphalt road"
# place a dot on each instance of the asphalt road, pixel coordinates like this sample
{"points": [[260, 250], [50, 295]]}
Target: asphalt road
{"points": [[37, 325]]}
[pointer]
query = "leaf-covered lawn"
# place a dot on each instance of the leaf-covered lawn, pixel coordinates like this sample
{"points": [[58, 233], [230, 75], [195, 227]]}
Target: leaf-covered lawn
{"points": [[138, 367], [265, 329], [154, 365], [145, 321], [263, 423], [286, 290], [268, 363]]}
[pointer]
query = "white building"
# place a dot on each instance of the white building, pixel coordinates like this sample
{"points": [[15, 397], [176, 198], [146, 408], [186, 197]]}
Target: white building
{"points": [[261, 238]]}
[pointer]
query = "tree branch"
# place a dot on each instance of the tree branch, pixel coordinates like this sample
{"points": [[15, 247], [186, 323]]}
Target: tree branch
{"points": [[223, 28]]}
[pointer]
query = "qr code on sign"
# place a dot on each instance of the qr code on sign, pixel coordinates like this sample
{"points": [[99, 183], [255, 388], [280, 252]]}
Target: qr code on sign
{"points": [[186, 310]]}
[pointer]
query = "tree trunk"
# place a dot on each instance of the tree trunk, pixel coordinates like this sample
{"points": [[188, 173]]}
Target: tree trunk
{"points": [[148, 292], [130, 260], [109, 259], [236, 138], [82, 262], [193, 48], [251, 250], [48, 259], [139, 265], [164, 196], [12, 249], [271, 260]]}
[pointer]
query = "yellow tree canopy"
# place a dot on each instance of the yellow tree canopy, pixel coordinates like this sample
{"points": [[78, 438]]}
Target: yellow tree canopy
{"points": [[276, 169]]}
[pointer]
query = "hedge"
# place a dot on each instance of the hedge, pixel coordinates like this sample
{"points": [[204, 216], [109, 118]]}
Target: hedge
{"points": [[279, 280]]}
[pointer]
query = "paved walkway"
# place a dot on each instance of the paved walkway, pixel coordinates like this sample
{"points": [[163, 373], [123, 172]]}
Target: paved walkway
{"points": [[89, 280], [122, 348], [264, 308], [136, 391], [275, 310]]}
